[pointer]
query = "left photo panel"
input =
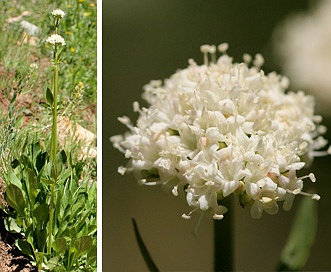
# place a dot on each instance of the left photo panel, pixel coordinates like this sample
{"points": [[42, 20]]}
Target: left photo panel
{"points": [[48, 135]]}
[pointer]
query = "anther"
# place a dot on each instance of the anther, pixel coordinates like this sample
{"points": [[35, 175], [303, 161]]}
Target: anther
{"points": [[223, 47]]}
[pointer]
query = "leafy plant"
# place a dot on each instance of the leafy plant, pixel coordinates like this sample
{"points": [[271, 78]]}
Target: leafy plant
{"points": [[51, 195]]}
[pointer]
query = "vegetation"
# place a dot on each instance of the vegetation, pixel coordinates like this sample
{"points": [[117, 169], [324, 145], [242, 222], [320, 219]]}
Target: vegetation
{"points": [[47, 161]]}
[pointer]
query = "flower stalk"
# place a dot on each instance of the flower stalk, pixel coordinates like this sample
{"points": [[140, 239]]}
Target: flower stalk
{"points": [[55, 94], [57, 41], [223, 240]]}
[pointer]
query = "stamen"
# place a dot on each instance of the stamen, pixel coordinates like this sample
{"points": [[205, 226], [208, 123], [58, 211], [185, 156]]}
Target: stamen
{"points": [[122, 170], [218, 216], [188, 216], [185, 216], [223, 47], [247, 58], [322, 153], [136, 107], [258, 61], [153, 183], [204, 49], [266, 200], [311, 176], [142, 181], [175, 190], [212, 51], [298, 191]]}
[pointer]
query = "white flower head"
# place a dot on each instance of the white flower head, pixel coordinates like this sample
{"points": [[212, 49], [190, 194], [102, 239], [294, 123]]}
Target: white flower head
{"points": [[223, 129], [56, 39], [58, 13], [302, 44]]}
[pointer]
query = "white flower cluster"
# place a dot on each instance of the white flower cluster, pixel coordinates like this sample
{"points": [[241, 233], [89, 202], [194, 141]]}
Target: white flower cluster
{"points": [[224, 129], [56, 39], [58, 13], [303, 45]]}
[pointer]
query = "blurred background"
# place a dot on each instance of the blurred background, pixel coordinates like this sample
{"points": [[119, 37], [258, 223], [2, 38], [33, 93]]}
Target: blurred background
{"points": [[150, 39]]}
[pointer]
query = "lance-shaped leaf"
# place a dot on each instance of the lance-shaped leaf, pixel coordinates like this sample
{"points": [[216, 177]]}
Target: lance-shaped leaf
{"points": [[49, 97], [301, 238], [15, 199], [143, 249]]}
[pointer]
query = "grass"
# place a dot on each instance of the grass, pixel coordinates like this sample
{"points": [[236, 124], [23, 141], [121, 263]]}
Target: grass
{"points": [[36, 185]]}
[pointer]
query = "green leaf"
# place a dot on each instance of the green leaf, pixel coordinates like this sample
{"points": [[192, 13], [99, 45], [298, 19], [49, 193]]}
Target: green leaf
{"points": [[11, 178], [41, 213], [39, 259], [61, 156], [24, 247], [47, 181], [60, 245], [143, 249], [52, 263], [92, 255], [32, 186], [41, 238], [15, 199], [49, 96], [83, 245], [11, 225], [40, 160], [301, 238], [78, 206]]}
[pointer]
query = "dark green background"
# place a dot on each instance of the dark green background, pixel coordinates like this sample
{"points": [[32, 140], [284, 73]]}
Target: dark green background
{"points": [[151, 39]]}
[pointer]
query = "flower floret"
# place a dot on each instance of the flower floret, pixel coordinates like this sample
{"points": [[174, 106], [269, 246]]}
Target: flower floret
{"points": [[56, 39], [58, 13]]}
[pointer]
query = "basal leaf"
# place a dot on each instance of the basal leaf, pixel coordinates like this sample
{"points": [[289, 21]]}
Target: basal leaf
{"points": [[15, 198], [52, 263], [41, 213], [24, 247], [83, 245], [60, 245], [11, 225], [41, 238]]}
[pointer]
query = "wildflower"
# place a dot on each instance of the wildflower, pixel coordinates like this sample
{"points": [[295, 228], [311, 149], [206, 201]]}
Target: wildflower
{"points": [[58, 13], [222, 129], [72, 50], [33, 66], [56, 39], [302, 46]]}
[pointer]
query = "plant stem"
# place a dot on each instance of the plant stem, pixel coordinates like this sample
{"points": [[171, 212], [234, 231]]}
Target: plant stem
{"points": [[223, 240], [54, 126], [50, 226], [53, 148]]}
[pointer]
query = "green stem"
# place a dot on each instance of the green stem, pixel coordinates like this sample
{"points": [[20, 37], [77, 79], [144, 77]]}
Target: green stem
{"points": [[53, 148], [55, 93], [223, 239], [50, 226]]}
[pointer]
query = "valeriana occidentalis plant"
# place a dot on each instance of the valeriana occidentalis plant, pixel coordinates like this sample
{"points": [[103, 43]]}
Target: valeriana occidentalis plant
{"points": [[57, 41], [51, 193]]}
